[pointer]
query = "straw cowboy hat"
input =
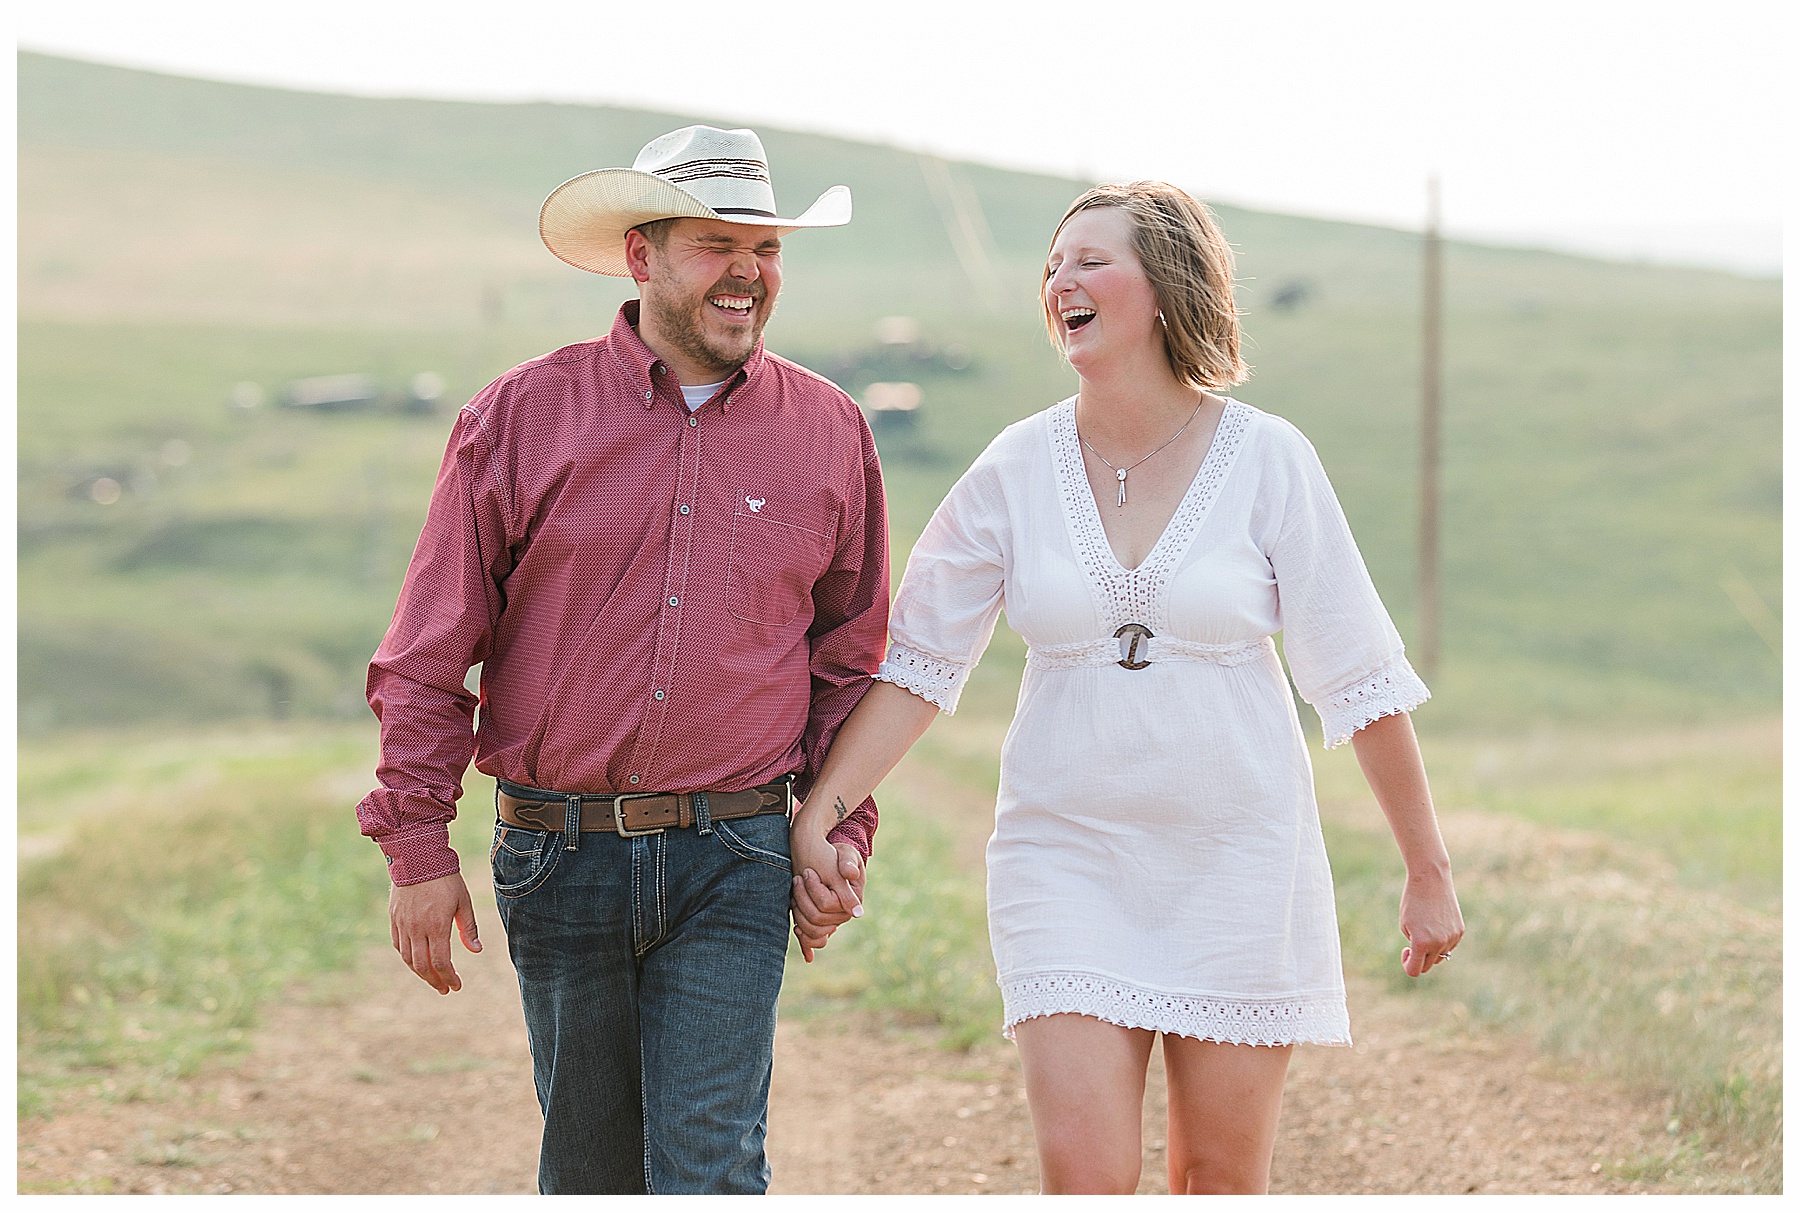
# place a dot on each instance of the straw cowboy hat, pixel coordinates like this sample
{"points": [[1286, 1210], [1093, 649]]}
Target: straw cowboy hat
{"points": [[697, 172]]}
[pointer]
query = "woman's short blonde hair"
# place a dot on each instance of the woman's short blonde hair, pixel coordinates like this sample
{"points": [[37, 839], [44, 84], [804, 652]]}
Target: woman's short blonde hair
{"points": [[1188, 262]]}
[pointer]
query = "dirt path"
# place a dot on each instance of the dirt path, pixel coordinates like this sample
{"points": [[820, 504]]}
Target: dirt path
{"points": [[367, 1082], [1408, 1109], [370, 1083]]}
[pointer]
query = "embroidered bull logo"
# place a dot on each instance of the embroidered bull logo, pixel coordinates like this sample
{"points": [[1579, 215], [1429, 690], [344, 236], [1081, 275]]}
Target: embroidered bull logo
{"points": [[755, 503]]}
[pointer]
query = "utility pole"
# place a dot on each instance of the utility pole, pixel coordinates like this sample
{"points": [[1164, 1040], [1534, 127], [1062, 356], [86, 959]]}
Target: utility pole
{"points": [[1431, 389]]}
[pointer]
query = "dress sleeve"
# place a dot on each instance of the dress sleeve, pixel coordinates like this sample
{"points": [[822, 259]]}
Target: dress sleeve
{"points": [[1346, 657], [952, 592]]}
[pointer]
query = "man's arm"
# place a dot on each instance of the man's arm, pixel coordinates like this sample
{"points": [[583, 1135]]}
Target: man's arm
{"points": [[442, 626], [886, 723], [847, 637]]}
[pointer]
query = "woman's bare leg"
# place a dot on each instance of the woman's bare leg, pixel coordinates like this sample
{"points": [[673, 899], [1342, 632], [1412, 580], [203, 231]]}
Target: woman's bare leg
{"points": [[1084, 1080], [1224, 1103]]}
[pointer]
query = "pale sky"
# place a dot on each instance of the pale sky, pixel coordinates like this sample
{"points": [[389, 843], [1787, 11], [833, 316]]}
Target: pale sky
{"points": [[1641, 129]]}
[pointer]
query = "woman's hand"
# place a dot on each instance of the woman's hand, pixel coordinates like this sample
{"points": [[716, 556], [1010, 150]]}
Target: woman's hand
{"points": [[1431, 920], [818, 911], [827, 885], [1388, 752]]}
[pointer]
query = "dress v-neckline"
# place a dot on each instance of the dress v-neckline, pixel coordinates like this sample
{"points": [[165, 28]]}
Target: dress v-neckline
{"points": [[1136, 591]]}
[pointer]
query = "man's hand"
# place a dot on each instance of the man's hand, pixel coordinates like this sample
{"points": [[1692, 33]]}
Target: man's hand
{"points": [[419, 917], [819, 908]]}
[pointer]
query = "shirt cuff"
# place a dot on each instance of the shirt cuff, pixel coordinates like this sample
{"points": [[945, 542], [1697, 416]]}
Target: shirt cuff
{"points": [[937, 681], [1388, 691], [857, 829], [417, 857]]}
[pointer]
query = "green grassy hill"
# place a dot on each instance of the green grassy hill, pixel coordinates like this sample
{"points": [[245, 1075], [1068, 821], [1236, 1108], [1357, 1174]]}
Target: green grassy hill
{"points": [[1612, 474]]}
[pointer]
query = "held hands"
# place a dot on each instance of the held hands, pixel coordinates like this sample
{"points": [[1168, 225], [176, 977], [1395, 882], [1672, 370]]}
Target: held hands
{"points": [[827, 891], [419, 917], [1431, 920]]}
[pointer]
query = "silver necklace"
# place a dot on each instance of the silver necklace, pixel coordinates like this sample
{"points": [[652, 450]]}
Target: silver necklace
{"points": [[1122, 472]]}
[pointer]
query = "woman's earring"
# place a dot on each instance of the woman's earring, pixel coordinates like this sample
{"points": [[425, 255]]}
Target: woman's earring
{"points": [[1160, 320]]}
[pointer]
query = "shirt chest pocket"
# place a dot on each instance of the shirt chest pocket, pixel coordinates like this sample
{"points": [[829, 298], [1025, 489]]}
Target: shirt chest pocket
{"points": [[777, 554]]}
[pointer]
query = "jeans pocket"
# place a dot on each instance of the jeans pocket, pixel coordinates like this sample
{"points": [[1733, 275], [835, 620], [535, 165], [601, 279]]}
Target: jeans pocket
{"points": [[761, 839], [522, 859]]}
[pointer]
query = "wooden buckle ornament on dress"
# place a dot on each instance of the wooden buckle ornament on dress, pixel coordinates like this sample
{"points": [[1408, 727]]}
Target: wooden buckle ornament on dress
{"points": [[1128, 655]]}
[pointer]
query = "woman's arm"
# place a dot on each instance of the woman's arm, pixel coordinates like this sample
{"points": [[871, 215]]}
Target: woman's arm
{"points": [[943, 617], [1430, 918], [885, 724]]}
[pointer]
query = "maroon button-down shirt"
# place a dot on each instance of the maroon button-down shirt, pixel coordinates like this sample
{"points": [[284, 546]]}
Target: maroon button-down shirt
{"points": [[659, 600]]}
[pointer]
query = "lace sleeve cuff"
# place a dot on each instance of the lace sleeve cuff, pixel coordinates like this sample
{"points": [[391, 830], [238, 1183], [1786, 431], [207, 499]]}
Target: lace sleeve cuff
{"points": [[1388, 691], [936, 681]]}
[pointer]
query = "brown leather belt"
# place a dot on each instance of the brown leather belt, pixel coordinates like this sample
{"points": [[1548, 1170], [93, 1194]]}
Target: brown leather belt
{"points": [[636, 813]]}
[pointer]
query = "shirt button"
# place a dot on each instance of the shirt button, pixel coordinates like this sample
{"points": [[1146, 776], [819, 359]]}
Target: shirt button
{"points": [[684, 511], [649, 393], [660, 696], [693, 420], [633, 780], [661, 369], [674, 601]]}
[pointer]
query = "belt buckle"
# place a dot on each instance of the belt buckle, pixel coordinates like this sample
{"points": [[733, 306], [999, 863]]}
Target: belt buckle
{"points": [[619, 815]]}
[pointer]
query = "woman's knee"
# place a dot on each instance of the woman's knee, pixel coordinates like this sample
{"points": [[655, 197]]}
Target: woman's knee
{"points": [[1076, 1171], [1217, 1176], [1081, 1156]]}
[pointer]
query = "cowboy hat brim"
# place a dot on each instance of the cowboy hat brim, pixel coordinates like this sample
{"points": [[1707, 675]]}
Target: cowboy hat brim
{"points": [[584, 220]]}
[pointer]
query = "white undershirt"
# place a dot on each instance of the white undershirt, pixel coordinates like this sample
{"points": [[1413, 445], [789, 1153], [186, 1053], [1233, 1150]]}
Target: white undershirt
{"points": [[694, 397]]}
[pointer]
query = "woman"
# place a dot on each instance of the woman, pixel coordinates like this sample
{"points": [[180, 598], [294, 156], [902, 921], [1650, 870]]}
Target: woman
{"points": [[1156, 864]]}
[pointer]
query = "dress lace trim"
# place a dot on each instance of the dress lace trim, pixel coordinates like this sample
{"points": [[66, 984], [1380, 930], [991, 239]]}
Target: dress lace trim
{"points": [[1156, 648], [1138, 595], [933, 679], [1309, 1019], [1388, 691]]}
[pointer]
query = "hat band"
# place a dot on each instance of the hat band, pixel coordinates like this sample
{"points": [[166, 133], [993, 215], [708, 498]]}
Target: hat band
{"points": [[688, 170], [743, 210]]}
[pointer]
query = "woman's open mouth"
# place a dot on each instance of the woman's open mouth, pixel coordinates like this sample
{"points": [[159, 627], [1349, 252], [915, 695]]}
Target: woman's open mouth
{"points": [[1076, 317]]}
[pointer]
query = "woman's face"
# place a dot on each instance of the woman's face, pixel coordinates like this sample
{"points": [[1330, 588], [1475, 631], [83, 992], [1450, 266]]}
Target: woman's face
{"points": [[1103, 303]]}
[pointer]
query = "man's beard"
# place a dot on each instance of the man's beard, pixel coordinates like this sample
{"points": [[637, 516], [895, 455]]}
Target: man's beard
{"points": [[679, 323]]}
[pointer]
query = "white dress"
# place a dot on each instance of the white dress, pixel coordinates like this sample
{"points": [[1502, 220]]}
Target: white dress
{"points": [[1156, 859]]}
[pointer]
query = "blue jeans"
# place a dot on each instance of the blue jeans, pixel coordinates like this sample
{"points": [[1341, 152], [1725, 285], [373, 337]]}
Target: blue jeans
{"points": [[649, 969]]}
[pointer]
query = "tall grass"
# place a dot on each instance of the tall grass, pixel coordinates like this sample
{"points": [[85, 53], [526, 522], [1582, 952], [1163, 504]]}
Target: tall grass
{"points": [[149, 939], [1706, 800], [921, 952], [1596, 950]]}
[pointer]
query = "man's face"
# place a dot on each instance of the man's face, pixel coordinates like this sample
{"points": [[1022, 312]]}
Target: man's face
{"points": [[709, 289]]}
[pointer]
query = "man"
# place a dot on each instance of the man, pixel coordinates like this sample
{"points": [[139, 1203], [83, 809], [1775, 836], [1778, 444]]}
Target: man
{"points": [[667, 550]]}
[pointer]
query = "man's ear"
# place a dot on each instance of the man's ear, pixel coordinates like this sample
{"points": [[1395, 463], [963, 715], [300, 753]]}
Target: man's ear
{"points": [[637, 255]]}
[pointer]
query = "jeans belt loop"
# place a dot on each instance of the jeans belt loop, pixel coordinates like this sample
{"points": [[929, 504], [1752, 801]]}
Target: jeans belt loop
{"points": [[702, 814], [572, 823]]}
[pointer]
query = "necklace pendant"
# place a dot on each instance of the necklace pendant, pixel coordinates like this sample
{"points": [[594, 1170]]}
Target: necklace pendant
{"points": [[1122, 488]]}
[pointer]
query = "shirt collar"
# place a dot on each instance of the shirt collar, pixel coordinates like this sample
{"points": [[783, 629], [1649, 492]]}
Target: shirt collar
{"points": [[640, 364]]}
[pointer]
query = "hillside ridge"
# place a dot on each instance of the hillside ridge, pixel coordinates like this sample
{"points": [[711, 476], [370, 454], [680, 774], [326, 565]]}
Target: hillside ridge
{"points": [[65, 101]]}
